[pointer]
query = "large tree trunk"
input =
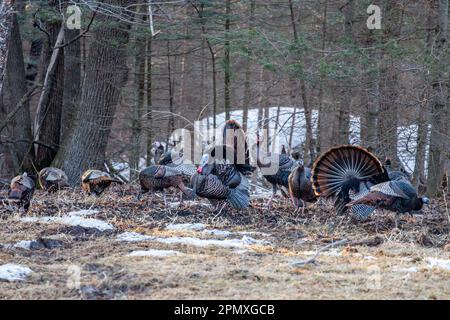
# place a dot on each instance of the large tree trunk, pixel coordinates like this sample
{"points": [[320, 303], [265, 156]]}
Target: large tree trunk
{"points": [[138, 104], [105, 75], [72, 82], [47, 124], [18, 134], [439, 139], [6, 13]]}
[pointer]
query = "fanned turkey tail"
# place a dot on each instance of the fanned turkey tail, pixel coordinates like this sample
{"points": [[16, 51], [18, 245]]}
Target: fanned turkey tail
{"points": [[239, 197], [344, 171]]}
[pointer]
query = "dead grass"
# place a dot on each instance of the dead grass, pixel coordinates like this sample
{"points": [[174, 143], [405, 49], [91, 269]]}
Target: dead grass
{"points": [[372, 266]]}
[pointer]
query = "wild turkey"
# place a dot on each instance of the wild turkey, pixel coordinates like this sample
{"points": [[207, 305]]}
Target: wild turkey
{"points": [[175, 160], [396, 174], [96, 181], [53, 179], [157, 150], [398, 196], [234, 142], [22, 190], [158, 178], [346, 173], [300, 187], [280, 178], [218, 180]]}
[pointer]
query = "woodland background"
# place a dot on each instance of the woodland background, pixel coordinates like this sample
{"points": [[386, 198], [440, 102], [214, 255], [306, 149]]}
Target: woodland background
{"points": [[79, 99]]}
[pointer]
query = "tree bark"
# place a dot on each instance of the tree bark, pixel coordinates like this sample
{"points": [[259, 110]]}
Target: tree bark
{"points": [[47, 124], [138, 103], [6, 14], [439, 139], [14, 90], [105, 75], [72, 82], [226, 60], [345, 95]]}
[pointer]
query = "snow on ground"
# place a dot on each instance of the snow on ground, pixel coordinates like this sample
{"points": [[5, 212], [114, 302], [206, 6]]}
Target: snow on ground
{"points": [[244, 242], [14, 272], [226, 243], [186, 227], [217, 232], [406, 270], [133, 237], [74, 218], [439, 263], [154, 253]]}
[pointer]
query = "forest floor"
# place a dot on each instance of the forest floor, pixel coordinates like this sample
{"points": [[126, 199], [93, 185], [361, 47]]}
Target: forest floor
{"points": [[70, 246]]}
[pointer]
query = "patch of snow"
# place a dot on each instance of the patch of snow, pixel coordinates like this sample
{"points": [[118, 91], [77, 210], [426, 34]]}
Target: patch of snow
{"points": [[186, 227], [133, 237], [407, 270], [369, 258], [14, 272], [331, 253], [154, 253], [439, 263], [226, 243], [217, 232], [24, 244], [72, 221], [82, 213]]}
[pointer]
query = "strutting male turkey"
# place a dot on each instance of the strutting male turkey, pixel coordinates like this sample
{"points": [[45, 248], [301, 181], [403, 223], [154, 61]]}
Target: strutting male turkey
{"points": [[221, 175], [300, 187], [96, 181], [345, 173], [359, 181], [159, 178], [53, 179], [283, 165], [21, 190], [175, 160]]}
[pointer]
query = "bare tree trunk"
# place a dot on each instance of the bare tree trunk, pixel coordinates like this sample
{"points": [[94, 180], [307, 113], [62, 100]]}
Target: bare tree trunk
{"points": [[321, 126], [105, 75], [422, 139], [47, 123], [345, 95], [309, 152], [149, 92], [214, 83], [14, 89], [72, 82], [438, 139], [6, 14], [171, 92], [226, 60], [423, 116], [248, 74], [138, 103]]}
